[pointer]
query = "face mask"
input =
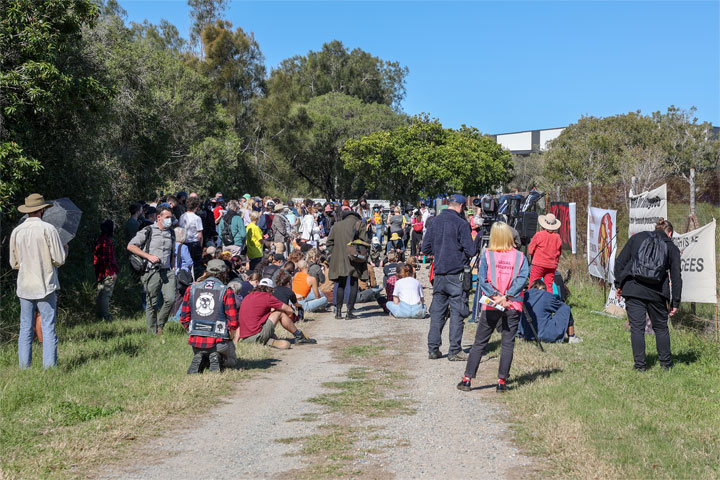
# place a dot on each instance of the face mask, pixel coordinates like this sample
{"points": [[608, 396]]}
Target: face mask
{"points": [[167, 223]]}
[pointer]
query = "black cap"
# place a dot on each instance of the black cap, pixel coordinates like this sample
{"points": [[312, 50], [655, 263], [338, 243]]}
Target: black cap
{"points": [[278, 256]]}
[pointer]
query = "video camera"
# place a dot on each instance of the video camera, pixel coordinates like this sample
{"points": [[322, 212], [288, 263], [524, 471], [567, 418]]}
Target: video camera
{"points": [[516, 210]]}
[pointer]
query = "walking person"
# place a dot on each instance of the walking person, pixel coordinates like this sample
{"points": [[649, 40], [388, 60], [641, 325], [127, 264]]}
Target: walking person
{"points": [[545, 249], [36, 252], [106, 269], [417, 233], [448, 239], [502, 276], [159, 241], [641, 277], [342, 271]]}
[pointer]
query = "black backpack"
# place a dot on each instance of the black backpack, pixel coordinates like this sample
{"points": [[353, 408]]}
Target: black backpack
{"points": [[226, 236], [650, 262]]}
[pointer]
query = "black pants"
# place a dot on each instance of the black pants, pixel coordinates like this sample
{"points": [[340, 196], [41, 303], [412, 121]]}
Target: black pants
{"points": [[352, 283], [416, 243], [488, 321], [196, 250], [637, 308]]}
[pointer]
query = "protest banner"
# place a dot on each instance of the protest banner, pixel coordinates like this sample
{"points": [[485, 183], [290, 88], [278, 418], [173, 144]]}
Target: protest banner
{"points": [[566, 213], [646, 208], [614, 306], [602, 242], [697, 259]]}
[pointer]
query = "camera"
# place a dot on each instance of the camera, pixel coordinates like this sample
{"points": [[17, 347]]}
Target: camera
{"points": [[516, 210]]}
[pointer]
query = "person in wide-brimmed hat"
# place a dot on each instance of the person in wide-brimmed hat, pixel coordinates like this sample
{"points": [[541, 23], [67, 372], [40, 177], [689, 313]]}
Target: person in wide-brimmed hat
{"points": [[396, 243], [545, 249], [36, 252]]}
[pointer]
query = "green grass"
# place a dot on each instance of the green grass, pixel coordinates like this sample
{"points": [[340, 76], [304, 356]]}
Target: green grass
{"points": [[585, 410], [114, 385]]}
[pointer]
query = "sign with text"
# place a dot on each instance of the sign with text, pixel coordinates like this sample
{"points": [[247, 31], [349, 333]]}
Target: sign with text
{"points": [[697, 260], [566, 213], [602, 243], [646, 208]]}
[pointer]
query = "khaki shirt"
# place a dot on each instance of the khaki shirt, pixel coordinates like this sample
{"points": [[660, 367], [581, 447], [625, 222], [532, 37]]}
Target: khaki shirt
{"points": [[36, 251], [162, 245]]}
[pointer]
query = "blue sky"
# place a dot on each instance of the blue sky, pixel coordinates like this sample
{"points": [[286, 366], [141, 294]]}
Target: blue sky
{"points": [[505, 66]]}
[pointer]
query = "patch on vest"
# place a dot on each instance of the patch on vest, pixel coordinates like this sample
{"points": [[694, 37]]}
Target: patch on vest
{"points": [[205, 304], [220, 328]]}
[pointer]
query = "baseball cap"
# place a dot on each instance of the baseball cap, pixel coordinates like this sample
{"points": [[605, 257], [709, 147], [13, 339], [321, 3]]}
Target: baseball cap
{"points": [[457, 198], [246, 196], [216, 266], [267, 282], [278, 256]]}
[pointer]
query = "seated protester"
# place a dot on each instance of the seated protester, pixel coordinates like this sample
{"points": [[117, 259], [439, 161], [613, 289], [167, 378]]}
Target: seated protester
{"points": [[560, 290], [236, 287], [238, 267], [210, 315], [306, 288], [261, 311], [390, 271], [375, 252], [288, 267], [270, 270], [315, 267], [396, 244], [551, 317], [249, 284], [408, 297], [284, 293]]}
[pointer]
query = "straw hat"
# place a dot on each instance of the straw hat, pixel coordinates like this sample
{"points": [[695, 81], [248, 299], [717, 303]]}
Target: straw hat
{"points": [[279, 208], [33, 203], [394, 237], [549, 222]]}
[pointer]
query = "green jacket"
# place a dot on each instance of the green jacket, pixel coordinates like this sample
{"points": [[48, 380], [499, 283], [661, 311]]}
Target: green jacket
{"points": [[237, 230]]}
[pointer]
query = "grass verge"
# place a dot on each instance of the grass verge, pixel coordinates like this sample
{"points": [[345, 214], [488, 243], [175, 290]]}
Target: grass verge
{"points": [[585, 410], [114, 386]]}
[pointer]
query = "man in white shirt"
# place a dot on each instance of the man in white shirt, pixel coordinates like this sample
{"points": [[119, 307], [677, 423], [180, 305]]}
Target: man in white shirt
{"points": [[425, 212], [36, 251], [192, 224]]}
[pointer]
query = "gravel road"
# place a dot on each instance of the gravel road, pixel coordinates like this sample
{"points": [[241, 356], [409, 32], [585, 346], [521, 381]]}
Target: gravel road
{"points": [[452, 434]]}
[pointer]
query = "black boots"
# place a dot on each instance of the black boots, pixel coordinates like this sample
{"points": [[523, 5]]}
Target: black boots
{"points": [[197, 363], [338, 312]]}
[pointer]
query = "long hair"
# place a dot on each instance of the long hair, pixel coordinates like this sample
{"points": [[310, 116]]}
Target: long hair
{"points": [[223, 277], [665, 226], [501, 237]]}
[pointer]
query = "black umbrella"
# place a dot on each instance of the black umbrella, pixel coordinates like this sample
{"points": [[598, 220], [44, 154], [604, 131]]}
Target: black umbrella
{"points": [[64, 215]]}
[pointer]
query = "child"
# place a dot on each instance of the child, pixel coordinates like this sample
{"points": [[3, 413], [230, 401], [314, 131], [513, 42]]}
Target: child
{"points": [[545, 249]]}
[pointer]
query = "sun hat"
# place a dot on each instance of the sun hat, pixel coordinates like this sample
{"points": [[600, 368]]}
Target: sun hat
{"points": [[279, 207], [267, 282], [33, 203], [394, 237], [216, 266], [549, 222]]}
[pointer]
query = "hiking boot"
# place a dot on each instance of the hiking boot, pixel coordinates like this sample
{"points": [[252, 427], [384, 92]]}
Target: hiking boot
{"points": [[435, 354], [338, 313], [464, 385], [458, 357], [501, 387], [214, 362], [196, 363], [306, 340], [350, 316]]}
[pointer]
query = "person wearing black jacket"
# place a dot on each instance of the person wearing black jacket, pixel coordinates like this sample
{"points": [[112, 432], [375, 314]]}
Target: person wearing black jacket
{"points": [[643, 298], [449, 240]]}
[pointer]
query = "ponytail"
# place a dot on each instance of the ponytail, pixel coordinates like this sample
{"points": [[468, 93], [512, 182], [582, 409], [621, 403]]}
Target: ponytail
{"points": [[664, 225]]}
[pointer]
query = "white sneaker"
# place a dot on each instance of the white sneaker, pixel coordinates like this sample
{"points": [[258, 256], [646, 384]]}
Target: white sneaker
{"points": [[575, 339]]}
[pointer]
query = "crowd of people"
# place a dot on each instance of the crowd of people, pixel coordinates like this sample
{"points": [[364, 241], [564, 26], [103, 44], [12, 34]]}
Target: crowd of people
{"points": [[231, 271]]}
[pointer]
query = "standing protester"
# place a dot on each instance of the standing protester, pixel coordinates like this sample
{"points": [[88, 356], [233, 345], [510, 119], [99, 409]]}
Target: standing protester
{"points": [[378, 220], [309, 228], [106, 269], [641, 277], [133, 223], [396, 222], [179, 207], [254, 241], [232, 229], [281, 229], [193, 226], [342, 271], [425, 214], [36, 252], [502, 276], [545, 249], [448, 239], [159, 240], [417, 233], [210, 315]]}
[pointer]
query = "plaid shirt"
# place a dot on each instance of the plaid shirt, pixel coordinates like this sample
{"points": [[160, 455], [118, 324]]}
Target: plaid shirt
{"points": [[231, 312], [104, 258]]}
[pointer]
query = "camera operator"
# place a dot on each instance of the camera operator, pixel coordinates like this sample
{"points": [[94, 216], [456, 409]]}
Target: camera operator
{"points": [[449, 240]]}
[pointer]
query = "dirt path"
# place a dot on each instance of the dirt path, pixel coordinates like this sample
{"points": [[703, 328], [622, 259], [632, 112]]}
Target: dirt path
{"points": [[391, 412]]}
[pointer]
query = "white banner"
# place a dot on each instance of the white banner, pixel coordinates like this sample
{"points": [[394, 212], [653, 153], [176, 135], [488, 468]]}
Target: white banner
{"points": [[573, 227], [602, 242], [697, 254], [613, 306], [646, 208]]}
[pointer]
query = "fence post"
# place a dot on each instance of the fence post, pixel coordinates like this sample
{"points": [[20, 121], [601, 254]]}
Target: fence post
{"points": [[589, 195], [692, 220]]}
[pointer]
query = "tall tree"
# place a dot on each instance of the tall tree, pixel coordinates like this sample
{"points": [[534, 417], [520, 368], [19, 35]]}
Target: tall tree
{"points": [[425, 159], [203, 13]]}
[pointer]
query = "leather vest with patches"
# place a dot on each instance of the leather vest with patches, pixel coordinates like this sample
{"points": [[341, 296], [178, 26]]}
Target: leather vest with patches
{"points": [[207, 311]]}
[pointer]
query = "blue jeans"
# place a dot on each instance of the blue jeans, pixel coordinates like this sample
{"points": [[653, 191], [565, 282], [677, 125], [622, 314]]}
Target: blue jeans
{"points": [[47, 307], [310, 303], [379, 232], [447, 294], [405, 310]]}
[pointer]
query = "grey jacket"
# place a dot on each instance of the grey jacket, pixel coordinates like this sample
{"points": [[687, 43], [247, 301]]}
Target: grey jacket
{"points": [[162, 245]]}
